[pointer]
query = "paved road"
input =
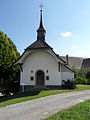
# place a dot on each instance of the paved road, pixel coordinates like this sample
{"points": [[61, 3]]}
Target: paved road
{"points": [[39, 109]]}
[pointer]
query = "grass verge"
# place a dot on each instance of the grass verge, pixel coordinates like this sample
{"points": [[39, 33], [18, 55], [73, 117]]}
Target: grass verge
{"points": [[26, 96], [80, 111]]}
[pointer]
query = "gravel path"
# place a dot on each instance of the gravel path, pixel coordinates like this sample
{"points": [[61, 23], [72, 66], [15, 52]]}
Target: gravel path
{"points": [[39, 109]]}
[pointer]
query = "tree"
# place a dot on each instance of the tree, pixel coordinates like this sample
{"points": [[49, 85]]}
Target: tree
{"points": [[73, 67], [8, 55], [81, 76], [74, 70]]}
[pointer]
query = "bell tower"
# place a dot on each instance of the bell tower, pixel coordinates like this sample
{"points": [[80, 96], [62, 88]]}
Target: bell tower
{"points": [[41, 31]]}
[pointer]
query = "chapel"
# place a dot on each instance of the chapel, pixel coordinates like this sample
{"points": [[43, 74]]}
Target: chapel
{"points": [[40, 66]]}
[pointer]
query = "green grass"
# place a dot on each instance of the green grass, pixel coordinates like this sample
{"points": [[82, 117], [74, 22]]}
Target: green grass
{"points": [[82, 87], [21, 97], [80, 111]]}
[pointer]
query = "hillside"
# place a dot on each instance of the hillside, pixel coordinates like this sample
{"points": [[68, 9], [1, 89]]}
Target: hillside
{"points": [[76, 61]]}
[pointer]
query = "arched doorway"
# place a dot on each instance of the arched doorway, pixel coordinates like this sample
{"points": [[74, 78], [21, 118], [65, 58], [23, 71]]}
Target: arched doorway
{"points": [[40, 78]]}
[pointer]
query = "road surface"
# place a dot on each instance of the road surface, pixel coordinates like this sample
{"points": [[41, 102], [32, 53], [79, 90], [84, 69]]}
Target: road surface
{"points": [[38, 109]]}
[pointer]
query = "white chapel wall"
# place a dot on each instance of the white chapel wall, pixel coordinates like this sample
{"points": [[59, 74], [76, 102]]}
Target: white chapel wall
{"points": [[40, 60], [67, 75]]}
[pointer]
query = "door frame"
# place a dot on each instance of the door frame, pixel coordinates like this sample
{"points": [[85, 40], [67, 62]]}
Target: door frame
{"points": [[37, 79]]}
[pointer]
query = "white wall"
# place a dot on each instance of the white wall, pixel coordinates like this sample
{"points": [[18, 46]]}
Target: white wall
{"points": [[67, 75], [40, 60]]}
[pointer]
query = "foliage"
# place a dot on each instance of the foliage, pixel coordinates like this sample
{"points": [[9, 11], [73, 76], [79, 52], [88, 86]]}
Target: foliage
{"points": [[80, 111], [88, 74], [81, 73], [8, 51], [88, 77], [30, 95], [69, 84], [74, 68], [8, 55], [80, 76], [81, 80], [12, 87]]}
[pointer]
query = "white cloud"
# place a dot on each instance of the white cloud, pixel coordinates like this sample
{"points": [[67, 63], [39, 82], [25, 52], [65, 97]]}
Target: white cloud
{"points": [[74, 46], [88, 46], [66, 34]]}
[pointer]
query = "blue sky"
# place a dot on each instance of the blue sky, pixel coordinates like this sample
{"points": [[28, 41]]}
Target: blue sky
{"points": [[67, 24]]}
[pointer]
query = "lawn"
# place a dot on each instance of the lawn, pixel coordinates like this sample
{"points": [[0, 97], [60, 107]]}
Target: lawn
{"points": [[80, 111], [21, 97]]}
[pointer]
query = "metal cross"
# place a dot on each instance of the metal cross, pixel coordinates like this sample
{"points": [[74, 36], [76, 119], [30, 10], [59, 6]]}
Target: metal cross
{"points": [[41, 6]]}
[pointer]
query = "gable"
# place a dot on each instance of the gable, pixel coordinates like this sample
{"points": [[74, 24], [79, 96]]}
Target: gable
{"points": [[39, 58]]}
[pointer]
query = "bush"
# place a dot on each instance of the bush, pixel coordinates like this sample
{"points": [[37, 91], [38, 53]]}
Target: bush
{"points": [[80, 80], [77, 80], [5, 91], [69, 84], [11, 88]]}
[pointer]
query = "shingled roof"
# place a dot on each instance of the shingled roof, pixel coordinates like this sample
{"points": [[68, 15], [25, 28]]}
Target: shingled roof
{"points": [[39, 44]]}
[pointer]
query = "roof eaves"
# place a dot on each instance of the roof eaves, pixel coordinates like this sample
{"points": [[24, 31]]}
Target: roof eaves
{"points": [[68, 67], [59, 56]]}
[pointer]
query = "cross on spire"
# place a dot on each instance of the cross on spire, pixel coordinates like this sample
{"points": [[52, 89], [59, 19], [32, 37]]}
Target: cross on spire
{"points": [[41, 6], [41, 23], [41, 31]]}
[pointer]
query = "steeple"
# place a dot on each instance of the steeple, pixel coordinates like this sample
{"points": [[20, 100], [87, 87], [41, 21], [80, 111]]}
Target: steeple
{"points": [[41, 31]]}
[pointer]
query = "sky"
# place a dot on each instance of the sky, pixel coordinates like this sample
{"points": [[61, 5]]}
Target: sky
{"points": [[67, 24]]}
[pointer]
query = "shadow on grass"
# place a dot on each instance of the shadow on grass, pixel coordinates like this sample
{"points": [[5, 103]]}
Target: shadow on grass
{"points": [[19, 95]]}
